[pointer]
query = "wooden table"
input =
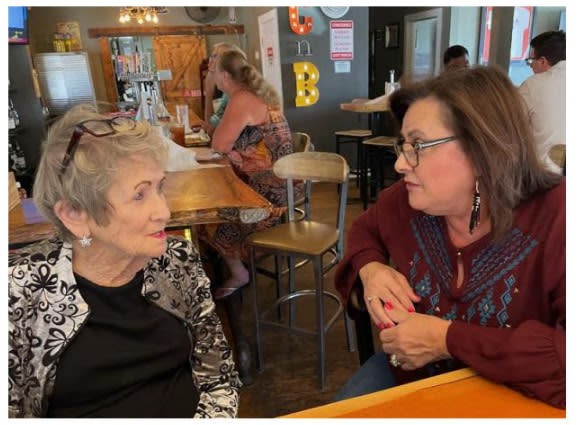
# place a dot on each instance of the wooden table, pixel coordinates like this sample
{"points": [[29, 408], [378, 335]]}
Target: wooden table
{"points": [[363, 106], [458, 394], [373, 107], [197, 196]]}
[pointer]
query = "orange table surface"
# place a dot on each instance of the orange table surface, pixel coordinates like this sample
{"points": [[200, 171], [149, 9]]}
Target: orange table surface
{"points": [[459, 394]]}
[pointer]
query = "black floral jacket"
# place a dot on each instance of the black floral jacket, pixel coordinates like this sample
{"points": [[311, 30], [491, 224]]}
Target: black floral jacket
{"points": [[46, 311]]}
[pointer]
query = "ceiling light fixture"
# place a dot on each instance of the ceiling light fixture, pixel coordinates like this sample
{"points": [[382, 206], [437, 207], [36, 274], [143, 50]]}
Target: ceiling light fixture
{"points": [[141, 14]]}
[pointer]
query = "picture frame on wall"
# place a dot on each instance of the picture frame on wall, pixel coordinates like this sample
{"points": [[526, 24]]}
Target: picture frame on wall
{"points": [[392, 36]]}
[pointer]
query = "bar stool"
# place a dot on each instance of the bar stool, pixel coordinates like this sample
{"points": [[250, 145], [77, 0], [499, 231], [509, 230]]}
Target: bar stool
{"points": [[353, 136], [302, 208], [304, 239], [376, 149]]}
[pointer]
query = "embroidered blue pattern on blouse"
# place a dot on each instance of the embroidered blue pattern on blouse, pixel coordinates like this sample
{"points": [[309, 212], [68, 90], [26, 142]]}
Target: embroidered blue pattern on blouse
{"points": [[451, 315], [414, 264], [486, 307], [428, 234], [506, 298], [496, 261], [424, 286], [487, 268], [470, 312], [434, 300]]}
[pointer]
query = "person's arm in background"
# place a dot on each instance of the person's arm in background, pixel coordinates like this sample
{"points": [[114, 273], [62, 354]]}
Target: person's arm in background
{"points": [[210, 126]]}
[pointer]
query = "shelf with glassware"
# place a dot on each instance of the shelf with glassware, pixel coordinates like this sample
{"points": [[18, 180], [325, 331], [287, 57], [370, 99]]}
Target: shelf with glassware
{"points": [[134, 70]]}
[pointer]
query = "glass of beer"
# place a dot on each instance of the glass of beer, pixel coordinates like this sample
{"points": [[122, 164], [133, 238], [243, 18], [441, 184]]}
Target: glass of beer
{"points": [[178, 134]]}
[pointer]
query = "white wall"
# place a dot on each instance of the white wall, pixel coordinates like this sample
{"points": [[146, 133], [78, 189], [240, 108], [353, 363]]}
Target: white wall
{"points": [[465, 29], [546, 19]]}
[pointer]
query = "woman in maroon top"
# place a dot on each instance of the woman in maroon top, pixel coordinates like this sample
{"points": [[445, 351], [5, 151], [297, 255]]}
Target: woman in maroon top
{"points": [[476, 232]]}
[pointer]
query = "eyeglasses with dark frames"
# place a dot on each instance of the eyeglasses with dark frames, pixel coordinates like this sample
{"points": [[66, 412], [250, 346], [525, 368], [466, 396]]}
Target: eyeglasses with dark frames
{"points": [[96, 128], [529, 61], [411, 151]]}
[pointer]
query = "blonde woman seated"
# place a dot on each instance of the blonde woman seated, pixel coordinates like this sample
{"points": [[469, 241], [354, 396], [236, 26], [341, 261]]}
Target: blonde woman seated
{"points": [[212, 118], [112, 318], [253, 133]]}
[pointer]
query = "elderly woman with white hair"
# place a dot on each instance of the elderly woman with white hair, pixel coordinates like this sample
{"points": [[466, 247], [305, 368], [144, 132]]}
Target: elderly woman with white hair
{"points": [[112, 318]]}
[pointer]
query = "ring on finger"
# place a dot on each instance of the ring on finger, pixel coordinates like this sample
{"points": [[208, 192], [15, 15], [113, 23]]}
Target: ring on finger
{"points": [[394, 361], [371, 298]]}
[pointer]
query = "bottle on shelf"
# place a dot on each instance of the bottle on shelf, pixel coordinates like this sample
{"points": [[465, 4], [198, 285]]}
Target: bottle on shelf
{"points": [[58, 42], [391, 85], [159, 109], [68, 42], [13, 118]]}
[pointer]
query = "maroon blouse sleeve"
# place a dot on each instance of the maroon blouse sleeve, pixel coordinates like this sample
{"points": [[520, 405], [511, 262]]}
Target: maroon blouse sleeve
{"points": [[367, 241], [530, 357]]}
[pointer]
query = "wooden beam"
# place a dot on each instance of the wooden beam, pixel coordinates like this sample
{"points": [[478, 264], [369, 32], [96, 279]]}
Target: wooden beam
{"points": [[166, 30]]}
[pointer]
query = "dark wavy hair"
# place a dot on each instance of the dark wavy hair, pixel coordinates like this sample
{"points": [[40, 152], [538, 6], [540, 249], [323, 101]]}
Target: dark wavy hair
{"points": [[485, 112]]}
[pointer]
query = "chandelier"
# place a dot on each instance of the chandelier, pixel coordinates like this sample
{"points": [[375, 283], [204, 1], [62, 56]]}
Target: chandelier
{"points": [[141, 14]]}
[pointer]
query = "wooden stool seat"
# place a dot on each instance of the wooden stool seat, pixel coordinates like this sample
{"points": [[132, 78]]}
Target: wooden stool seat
{"points": [[353, 133], [379, 141]]}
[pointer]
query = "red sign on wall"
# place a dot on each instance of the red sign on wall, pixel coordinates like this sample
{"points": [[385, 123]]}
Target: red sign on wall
{"points": [[341, 35]]}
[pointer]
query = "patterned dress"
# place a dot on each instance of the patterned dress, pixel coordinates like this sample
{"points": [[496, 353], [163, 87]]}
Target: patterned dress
{"points": [[252, 157]]}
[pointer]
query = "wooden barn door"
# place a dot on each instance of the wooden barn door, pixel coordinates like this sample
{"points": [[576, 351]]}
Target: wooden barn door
{"points": [[183, 54]]}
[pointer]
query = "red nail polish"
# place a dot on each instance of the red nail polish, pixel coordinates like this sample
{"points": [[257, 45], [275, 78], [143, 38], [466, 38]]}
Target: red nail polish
{"points": [[388, 325], [412, 310], [381, 326], [388, 305]]}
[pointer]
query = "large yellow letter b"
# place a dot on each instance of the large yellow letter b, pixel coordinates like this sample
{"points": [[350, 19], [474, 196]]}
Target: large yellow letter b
{"points": [[307, 76]]}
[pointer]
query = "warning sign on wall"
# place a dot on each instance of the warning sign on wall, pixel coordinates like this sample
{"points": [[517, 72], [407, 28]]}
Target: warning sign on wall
{"points": [[341, 35]]}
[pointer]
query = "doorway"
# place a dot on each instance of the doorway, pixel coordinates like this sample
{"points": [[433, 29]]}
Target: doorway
{"points": [[423, 44]]}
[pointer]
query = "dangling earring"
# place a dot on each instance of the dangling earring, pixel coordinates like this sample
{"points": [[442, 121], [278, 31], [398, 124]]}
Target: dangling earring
{"points": [[475, 216], [85, 241]]}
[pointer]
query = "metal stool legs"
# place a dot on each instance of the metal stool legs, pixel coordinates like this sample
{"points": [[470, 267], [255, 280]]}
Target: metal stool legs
{"points": [[318, 267], [259, 358]]}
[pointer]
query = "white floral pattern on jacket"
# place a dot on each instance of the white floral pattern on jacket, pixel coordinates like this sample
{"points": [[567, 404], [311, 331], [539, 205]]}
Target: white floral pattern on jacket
{"points": [[46, 311]]}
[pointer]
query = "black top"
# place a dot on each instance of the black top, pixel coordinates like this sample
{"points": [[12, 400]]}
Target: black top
{"points": [[130, 359]]}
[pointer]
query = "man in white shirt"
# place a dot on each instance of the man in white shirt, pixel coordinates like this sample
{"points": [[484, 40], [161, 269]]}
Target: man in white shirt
{"points": [[544, 93]]}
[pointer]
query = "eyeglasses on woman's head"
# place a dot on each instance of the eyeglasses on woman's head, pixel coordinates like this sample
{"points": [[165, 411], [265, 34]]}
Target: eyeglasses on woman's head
{"points": [[96, 128]]}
